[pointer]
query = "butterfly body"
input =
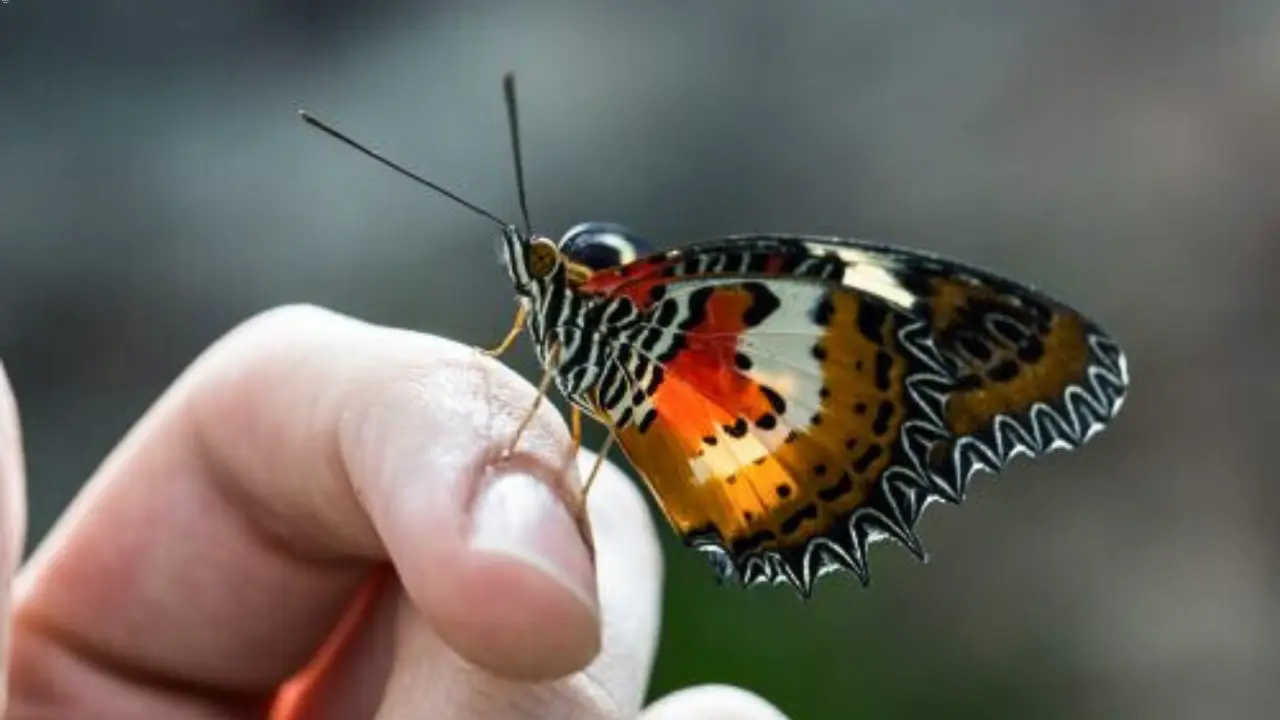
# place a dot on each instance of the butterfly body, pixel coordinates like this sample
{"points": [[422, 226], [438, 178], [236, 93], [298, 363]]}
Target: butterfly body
{"points": [[790, 399]]}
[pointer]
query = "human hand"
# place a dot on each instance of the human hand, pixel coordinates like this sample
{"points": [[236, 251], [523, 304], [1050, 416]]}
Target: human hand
{"points": [[317, 492]]}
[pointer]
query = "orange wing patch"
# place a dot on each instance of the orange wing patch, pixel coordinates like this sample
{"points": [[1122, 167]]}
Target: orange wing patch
{"points": [[705, 367], [725, 454]]}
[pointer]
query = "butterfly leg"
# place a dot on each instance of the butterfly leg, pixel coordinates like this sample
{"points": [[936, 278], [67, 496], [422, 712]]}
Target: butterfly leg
{"points": [[522, 314], [595, 470], [548, 374], [575, 425]]}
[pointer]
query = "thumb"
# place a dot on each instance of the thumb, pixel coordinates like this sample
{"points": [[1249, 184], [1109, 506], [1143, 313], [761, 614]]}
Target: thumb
{"points": [[13, 517]]}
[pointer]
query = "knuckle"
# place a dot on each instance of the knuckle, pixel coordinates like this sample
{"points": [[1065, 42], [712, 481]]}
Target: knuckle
{"points": [[276, 328], [284, 318]]}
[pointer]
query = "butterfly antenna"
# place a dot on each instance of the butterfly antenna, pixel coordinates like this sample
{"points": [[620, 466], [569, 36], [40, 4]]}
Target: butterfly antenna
{"points": [[513, 120], [320, 125]]}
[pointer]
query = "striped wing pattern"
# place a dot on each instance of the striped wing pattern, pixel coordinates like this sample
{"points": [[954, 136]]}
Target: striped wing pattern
{"points": [[789, 400]]}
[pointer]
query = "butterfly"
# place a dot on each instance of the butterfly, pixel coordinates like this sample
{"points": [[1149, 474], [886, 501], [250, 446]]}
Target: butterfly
{"points": [[791, 399]]}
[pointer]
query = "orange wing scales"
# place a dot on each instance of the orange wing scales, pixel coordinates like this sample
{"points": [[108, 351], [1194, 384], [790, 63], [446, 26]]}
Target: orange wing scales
{"points": [[784, 425]]}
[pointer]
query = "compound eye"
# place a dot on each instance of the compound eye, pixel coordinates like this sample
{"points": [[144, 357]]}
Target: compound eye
{"points": [[602, 245], [543, 257]]}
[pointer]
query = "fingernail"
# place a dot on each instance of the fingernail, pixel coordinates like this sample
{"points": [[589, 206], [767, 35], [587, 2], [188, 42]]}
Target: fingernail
{"points": [[519, 516]]}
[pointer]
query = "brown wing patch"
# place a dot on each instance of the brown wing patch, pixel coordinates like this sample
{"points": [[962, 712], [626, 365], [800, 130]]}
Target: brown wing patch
{"points": [[1010, 352]]}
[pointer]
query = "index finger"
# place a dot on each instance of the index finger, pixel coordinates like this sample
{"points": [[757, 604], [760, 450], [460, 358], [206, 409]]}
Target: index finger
{"points": [[220, 542]]}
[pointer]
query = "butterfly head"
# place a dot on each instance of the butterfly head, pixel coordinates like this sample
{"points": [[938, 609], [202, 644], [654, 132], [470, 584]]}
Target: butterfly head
{"points": [[530, 260]]}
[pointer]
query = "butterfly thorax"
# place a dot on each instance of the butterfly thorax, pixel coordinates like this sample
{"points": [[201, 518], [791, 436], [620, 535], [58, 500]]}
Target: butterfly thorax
{"points": [[566, 325]]}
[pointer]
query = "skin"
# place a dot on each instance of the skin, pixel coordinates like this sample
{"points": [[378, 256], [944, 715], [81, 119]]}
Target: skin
{"points": [[316, 521]]}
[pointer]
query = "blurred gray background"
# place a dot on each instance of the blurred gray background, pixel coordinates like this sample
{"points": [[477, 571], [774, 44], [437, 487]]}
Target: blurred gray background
{"points": [[156, 188]]}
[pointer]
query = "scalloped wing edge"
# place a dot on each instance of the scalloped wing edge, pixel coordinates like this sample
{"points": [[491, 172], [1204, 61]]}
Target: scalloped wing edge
{"points": [[900, 498]]}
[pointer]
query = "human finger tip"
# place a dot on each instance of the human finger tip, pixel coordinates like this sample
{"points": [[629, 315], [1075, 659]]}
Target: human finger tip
{"points": [[526, 608], [483, 538], [613, 685], [398, 449], [712, 702]]}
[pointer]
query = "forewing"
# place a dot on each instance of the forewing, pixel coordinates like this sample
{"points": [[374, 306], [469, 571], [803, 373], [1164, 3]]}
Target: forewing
{"points": [[789, 399]]}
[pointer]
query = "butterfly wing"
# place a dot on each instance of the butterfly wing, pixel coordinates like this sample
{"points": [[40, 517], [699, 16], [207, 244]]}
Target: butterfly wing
{"points": [[790, 399]]}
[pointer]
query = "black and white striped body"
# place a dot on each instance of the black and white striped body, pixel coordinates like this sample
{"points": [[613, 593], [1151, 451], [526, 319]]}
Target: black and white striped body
{"points": [[589, 338]]}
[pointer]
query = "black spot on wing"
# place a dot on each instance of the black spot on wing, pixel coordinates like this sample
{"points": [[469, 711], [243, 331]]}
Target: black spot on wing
{"points": [[1003, 372], [1007, 329], [1031, 351], [823, 310], [884, 364], [917, 280], [666, 313], [774, 399], [792, 523], [697, 308], [655, 379], [751, 542], [969, 343], [834, 492], [763, 303], [884, 413], [615, 390], [868, 456], [871, 318], [651, 338], [620, 312]]}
